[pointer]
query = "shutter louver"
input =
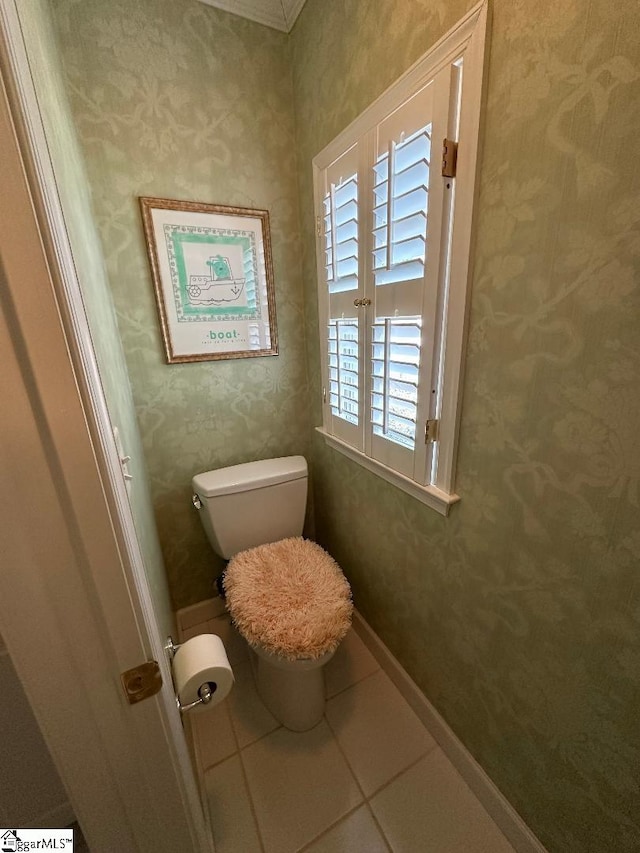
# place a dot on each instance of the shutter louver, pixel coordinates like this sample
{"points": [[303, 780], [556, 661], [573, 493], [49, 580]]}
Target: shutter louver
{"points": [[341, 235], [341, 229], [395, 365], [341, 264], [343, 370], [400, 201], [401, 191]]}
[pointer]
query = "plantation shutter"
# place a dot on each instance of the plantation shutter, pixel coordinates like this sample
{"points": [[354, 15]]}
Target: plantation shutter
{"points": [[343, 280], [393, 258], [407, 200]]}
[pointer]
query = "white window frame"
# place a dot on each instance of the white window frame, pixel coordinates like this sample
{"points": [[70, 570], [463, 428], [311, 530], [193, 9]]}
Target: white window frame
{"points": [[467, 40]]}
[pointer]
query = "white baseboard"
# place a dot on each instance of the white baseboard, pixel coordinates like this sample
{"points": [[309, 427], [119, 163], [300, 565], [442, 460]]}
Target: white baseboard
{"points": [[187, 617], [56, 818], [495, 803]]}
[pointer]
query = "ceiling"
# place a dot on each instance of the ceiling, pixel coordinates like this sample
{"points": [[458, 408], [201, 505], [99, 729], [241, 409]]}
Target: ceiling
{"points": [[279, 14]]}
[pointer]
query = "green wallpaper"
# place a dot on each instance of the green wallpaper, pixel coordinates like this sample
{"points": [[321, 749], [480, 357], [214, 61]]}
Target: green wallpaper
{"points": [[175, 99], [72, 183], [519, 615]]}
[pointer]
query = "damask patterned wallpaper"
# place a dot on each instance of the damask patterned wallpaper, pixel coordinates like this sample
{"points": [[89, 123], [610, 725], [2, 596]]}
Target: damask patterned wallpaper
{"points": [[519, 615], [71, 177], [175, 99]]}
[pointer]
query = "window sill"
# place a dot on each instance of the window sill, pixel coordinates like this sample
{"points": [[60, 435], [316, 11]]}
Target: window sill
{"points": [[429, 495]]}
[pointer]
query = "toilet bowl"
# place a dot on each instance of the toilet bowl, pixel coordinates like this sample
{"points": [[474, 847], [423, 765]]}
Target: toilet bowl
{"points": [[287, 597], [293, 690], [291, 602]]}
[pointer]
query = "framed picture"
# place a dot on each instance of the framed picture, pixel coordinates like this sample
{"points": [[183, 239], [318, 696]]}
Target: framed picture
{"points": [[213, 278]]}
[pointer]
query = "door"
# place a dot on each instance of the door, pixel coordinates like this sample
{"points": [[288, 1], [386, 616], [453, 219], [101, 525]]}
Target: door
{"points": [[75, 608]]}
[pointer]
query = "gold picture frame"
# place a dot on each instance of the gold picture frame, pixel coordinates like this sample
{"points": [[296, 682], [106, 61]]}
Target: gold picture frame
{"points": [[212, 274]]}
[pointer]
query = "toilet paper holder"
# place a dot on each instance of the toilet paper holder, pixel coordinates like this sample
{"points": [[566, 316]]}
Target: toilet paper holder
{"points": [[206, 690]]}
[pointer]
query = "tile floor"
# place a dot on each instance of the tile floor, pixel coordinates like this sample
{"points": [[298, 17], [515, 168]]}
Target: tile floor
{"points": [[368, 778]]}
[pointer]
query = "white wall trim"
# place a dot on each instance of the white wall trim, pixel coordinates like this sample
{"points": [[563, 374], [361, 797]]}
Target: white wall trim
{"points": [[429, 495], [292, 9], [126, 630], [195, 614], [495, 803], [278, 14]]}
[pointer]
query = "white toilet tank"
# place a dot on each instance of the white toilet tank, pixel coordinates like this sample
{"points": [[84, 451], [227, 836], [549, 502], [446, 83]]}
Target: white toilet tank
{"points": [[252, 504]]}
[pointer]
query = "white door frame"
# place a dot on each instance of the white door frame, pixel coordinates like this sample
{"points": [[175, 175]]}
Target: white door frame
{"points": [[75, 608]]}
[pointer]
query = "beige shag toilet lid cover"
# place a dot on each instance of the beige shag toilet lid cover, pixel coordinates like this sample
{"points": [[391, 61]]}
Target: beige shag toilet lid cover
{"points": [[290, 597]]}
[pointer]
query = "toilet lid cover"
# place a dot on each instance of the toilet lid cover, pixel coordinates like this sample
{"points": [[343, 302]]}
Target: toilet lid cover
{"points": [[290, 597]]}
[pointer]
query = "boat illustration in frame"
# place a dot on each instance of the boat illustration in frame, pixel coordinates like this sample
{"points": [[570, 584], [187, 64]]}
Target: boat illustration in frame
{"points": [[212, 273]]}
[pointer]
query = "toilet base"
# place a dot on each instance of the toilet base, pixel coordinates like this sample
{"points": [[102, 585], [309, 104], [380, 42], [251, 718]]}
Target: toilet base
{"points": [[292, 690]]}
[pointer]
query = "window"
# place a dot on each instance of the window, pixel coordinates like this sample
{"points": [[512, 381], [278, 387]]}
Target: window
{"points": [[394, 239]]}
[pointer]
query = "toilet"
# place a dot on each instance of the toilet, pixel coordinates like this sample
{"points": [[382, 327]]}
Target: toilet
{"points": [[287, 597]]}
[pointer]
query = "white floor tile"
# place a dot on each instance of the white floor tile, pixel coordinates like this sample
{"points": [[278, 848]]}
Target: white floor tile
{"points": [[299, 793], [251, 720], [430, 809], [378, 731], [213, 734], [357, 833], [351, 663], [300, 785], [233, 824]]}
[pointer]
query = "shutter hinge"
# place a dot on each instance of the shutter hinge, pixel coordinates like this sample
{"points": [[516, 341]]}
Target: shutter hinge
{"points": [[324, 395], [449, 158], [431, 431], [318, 227]]}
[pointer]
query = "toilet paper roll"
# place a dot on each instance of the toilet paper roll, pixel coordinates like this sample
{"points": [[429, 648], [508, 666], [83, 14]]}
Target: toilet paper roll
{"points": [[199, 661]]}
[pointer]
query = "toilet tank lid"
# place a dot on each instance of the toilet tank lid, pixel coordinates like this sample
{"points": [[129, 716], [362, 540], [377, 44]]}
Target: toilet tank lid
{"points": [[249, 475]]}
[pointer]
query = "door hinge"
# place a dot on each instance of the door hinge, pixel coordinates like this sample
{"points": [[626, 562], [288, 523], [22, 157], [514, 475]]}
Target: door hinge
{"points": [[318, 227], [431, 431], [142, 681], [449, 158]]}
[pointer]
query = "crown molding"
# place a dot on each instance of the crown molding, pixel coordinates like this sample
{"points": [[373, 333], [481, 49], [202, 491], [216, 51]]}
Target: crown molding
{"points": [[292, 9], [278, 14]]}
